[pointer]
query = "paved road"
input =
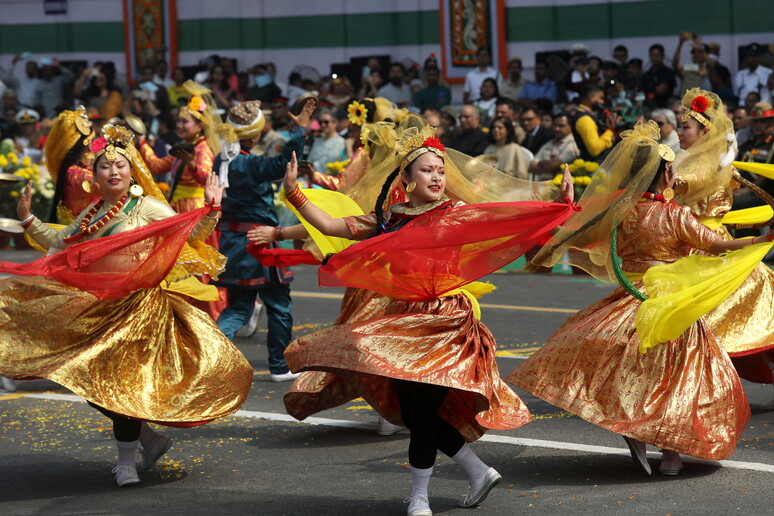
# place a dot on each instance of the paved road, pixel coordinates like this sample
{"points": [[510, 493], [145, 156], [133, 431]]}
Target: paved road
{"points": [[56, 452]]}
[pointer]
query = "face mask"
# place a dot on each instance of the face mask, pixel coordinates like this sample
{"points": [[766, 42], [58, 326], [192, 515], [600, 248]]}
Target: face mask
{"points": [[262, 80]]}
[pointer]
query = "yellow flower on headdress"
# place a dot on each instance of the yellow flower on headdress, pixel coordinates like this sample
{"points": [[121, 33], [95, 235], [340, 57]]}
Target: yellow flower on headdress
{"points": [[197, 103], [357, 113]]}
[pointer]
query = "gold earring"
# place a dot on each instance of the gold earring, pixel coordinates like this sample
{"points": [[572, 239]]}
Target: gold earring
{"points": [[86, 185], [668, 194], [410, 187]]}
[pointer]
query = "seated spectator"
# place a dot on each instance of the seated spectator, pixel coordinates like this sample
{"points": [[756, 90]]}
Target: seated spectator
{"points": [[667, 123], [509, 108], [741, 125], [537, 135], [295, 87], [160, 77], [396, 91], [720, 76], [631, 79], [329, 147], [271, 143], [263, 87], [434, 95], [218, 85], [503, 153], [547, 120], [621, 57], [103, 96], [512, 86], [432, 116], [448, 124], [177, 93], [541, 87], [475, 77], [470, 139], [659, 82], [28, 144], [487, 99], [553, 154], [229, 70], [339, 94]]}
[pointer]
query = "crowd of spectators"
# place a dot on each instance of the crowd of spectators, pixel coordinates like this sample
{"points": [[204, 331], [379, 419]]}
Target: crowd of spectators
{"points": [[571, 108]]}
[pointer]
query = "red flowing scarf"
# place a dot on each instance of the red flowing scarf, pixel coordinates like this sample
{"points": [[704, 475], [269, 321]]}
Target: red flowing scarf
{"points": [[135, 259], [445, 249], [278, 257]]}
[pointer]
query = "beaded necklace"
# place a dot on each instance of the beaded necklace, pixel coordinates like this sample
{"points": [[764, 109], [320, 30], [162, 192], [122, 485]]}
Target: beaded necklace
{"points": [[86, 229], [654, 197]]}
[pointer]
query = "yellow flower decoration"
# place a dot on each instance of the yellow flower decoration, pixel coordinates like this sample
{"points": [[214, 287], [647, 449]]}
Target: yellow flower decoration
{"points": [[357, 113], [591, 166], [26, 162], [197, 104], [3, 161]]}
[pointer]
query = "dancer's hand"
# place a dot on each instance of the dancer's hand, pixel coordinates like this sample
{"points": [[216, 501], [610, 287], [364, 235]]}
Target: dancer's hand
{"points": [[261, 235], [291, 173], [305, 116], [213, 193], [25, 201], [567, 190]]}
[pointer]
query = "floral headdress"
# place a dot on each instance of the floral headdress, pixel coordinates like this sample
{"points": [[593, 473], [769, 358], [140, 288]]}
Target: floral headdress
{"points": [[69, 129], [418, 145], [357, 113], [114, 139], [697, 109]]}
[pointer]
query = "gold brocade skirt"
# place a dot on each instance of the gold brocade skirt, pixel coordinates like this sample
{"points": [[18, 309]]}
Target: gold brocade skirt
{"points": [[149, 356], [682, 395], [744, 323], [438, 342]]}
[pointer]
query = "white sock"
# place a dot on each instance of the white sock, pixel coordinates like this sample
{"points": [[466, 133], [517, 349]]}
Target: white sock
{"points": [[420, 479], [147, 435], [468, 460], [127, 453]]}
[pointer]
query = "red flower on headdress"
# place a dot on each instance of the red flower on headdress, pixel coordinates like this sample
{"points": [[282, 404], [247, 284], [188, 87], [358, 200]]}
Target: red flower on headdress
{"points": [[434, 142], [98, 144], [700, 104]]}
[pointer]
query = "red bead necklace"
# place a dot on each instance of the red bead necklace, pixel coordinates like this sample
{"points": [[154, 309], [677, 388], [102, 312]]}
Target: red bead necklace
{"points": [[86, 229]]}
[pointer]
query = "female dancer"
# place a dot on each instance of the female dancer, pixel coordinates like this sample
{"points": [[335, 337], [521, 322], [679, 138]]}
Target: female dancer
{"points": [[104, 329], [683, 395], [428, 362], [65, 147], [706, 185]]}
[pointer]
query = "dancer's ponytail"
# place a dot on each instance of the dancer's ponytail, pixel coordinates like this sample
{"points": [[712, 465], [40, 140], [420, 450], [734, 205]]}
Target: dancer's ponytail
{"points": [[379, 208]]}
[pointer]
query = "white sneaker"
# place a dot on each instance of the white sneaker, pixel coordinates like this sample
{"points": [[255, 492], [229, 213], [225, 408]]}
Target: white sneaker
{"points": [[249, 329], [418, 506], [284, 377], [8, 384], [126, 476], [384, 427], [156, 449], [479, 489]]}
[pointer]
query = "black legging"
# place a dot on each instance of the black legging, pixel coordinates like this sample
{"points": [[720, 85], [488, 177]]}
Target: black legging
{"points": [[419, 406], [124, 429]]}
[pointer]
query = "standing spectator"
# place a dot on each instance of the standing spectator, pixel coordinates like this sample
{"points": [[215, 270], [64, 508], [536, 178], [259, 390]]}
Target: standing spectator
{"points": [[396, 90], [659, 82], [51, 89], [470, 139], [696, 73], [330, 147], [537, 135], [667, 124], [741, 125], [561, 149], [28, 142], [272, 69], [10, 100], [503, 153], [754, 77], [720, 76], [475, 77], [26, 85], [434, 95], [541, 87], [592, 138], [512, 86], [487, 99]]}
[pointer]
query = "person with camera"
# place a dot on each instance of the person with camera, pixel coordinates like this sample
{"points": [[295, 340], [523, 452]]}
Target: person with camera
{"points": [[593, 136], [696, 73]]}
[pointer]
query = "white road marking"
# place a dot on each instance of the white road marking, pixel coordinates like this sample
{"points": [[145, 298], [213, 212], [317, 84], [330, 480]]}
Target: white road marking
{"points": [[492, 438]]}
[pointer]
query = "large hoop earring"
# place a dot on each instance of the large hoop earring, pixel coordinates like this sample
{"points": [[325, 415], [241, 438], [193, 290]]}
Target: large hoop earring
{"points": [[411, 186]]}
